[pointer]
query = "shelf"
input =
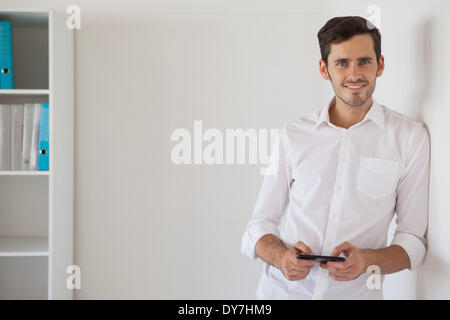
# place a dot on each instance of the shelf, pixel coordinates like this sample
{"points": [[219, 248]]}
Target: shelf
{"points": [[19, 96], [24, 173], [26, 19], [23, 246], [25, 92]]}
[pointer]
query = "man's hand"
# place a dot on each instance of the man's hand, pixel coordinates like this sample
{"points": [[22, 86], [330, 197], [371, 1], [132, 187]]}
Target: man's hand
{"points": [[351, 268], [294, 268]]}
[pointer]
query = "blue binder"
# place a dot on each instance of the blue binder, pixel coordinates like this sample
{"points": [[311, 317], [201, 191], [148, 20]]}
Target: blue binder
{"points": [[43, 139], [6, 59]]}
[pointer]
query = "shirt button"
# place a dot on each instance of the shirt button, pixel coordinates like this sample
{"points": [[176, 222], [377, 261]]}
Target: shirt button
{"points": [[339, 188], [329, 243], [344, 159]]}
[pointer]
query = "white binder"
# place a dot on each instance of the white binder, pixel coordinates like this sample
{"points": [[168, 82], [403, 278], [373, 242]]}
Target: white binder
{"points": [[34, 148], [5, 137], [27, 135], [16, 136]]}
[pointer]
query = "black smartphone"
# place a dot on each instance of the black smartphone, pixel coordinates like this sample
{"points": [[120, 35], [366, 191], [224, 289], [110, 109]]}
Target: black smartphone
{"points": [[320, 259]]}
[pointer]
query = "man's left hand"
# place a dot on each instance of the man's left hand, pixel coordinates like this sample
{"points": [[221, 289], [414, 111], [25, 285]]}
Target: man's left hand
{"points": [[351, 268]]}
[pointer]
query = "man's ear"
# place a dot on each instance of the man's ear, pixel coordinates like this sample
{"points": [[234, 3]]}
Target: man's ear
{"points": [[323, 70], [380, 66]]}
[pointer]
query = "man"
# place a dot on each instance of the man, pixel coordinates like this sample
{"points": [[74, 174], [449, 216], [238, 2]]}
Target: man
{"points": [[343, 172]]}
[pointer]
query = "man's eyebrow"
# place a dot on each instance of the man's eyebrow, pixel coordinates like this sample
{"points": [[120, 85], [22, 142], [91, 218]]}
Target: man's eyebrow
{"points": [[347, 59]]}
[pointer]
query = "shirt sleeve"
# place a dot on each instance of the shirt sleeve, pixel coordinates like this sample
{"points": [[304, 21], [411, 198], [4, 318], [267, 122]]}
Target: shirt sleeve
{"points": [[272, 200], [412, 199]]}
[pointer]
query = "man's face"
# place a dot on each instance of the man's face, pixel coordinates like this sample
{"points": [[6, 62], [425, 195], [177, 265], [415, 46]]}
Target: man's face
{"points": [[353, 69]]}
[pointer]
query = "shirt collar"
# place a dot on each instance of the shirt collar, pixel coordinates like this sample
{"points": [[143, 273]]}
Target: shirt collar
{"points": [[374, 114]]}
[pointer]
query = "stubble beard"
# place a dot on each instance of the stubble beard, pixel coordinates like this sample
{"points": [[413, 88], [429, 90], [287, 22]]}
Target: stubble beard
{"points": [[356, 100]]}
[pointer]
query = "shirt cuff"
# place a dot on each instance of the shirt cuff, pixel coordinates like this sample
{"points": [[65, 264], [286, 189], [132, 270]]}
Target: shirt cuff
{"points": [[413, 246], [251, 237]]}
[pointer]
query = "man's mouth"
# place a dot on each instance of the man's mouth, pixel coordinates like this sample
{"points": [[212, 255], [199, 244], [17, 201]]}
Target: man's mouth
{"points": [[355, 87]]}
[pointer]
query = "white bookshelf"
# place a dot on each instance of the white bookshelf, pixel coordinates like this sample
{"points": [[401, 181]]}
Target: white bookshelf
{"points": [[36, 207]]}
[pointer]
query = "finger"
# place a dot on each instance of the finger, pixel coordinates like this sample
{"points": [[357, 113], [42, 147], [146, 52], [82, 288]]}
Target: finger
{"points": [[342, 248], [341, 265], [300, 269], [292, 276], [295, 273], [344, 273], [335, 271], [324, 265], [340, 278], [303, 247], [353, 272], [306, 263], [292, 258], [301, 262], [337, 274]]}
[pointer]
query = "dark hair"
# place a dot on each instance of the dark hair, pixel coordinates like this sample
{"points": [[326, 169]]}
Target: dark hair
{"points": [[339, 29]]}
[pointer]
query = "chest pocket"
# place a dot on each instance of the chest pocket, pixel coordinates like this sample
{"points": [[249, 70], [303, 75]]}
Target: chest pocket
{"points": [[377, 178]]}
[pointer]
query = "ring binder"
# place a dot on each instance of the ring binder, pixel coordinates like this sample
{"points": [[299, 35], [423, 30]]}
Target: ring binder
{"points": [[6, 65]]}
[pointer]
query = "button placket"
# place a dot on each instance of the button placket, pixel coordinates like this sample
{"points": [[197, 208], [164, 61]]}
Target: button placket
{"points": [[333, 221]]}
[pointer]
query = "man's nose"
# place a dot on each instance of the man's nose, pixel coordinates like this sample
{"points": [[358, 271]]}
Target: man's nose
{"points": [[354, 72]]}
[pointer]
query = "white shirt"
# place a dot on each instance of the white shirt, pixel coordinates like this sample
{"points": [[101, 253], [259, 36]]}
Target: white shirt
{"points": [[346, 186]]}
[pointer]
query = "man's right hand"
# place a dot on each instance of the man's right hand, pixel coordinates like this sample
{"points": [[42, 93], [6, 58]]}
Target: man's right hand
{"points": [[294, 268]]}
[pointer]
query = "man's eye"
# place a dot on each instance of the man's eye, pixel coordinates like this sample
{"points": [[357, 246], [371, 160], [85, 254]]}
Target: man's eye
{"points": [[365, 61], [341, 64]]}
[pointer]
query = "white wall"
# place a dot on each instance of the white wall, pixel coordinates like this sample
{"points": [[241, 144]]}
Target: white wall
{"points": [[146, 228]]}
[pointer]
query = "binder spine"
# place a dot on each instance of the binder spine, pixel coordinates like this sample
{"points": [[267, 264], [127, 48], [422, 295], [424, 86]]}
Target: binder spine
{"points": [[6, 63], [16, 136], [43, 157], [27, 135], [5, 137], [35, 137]]}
